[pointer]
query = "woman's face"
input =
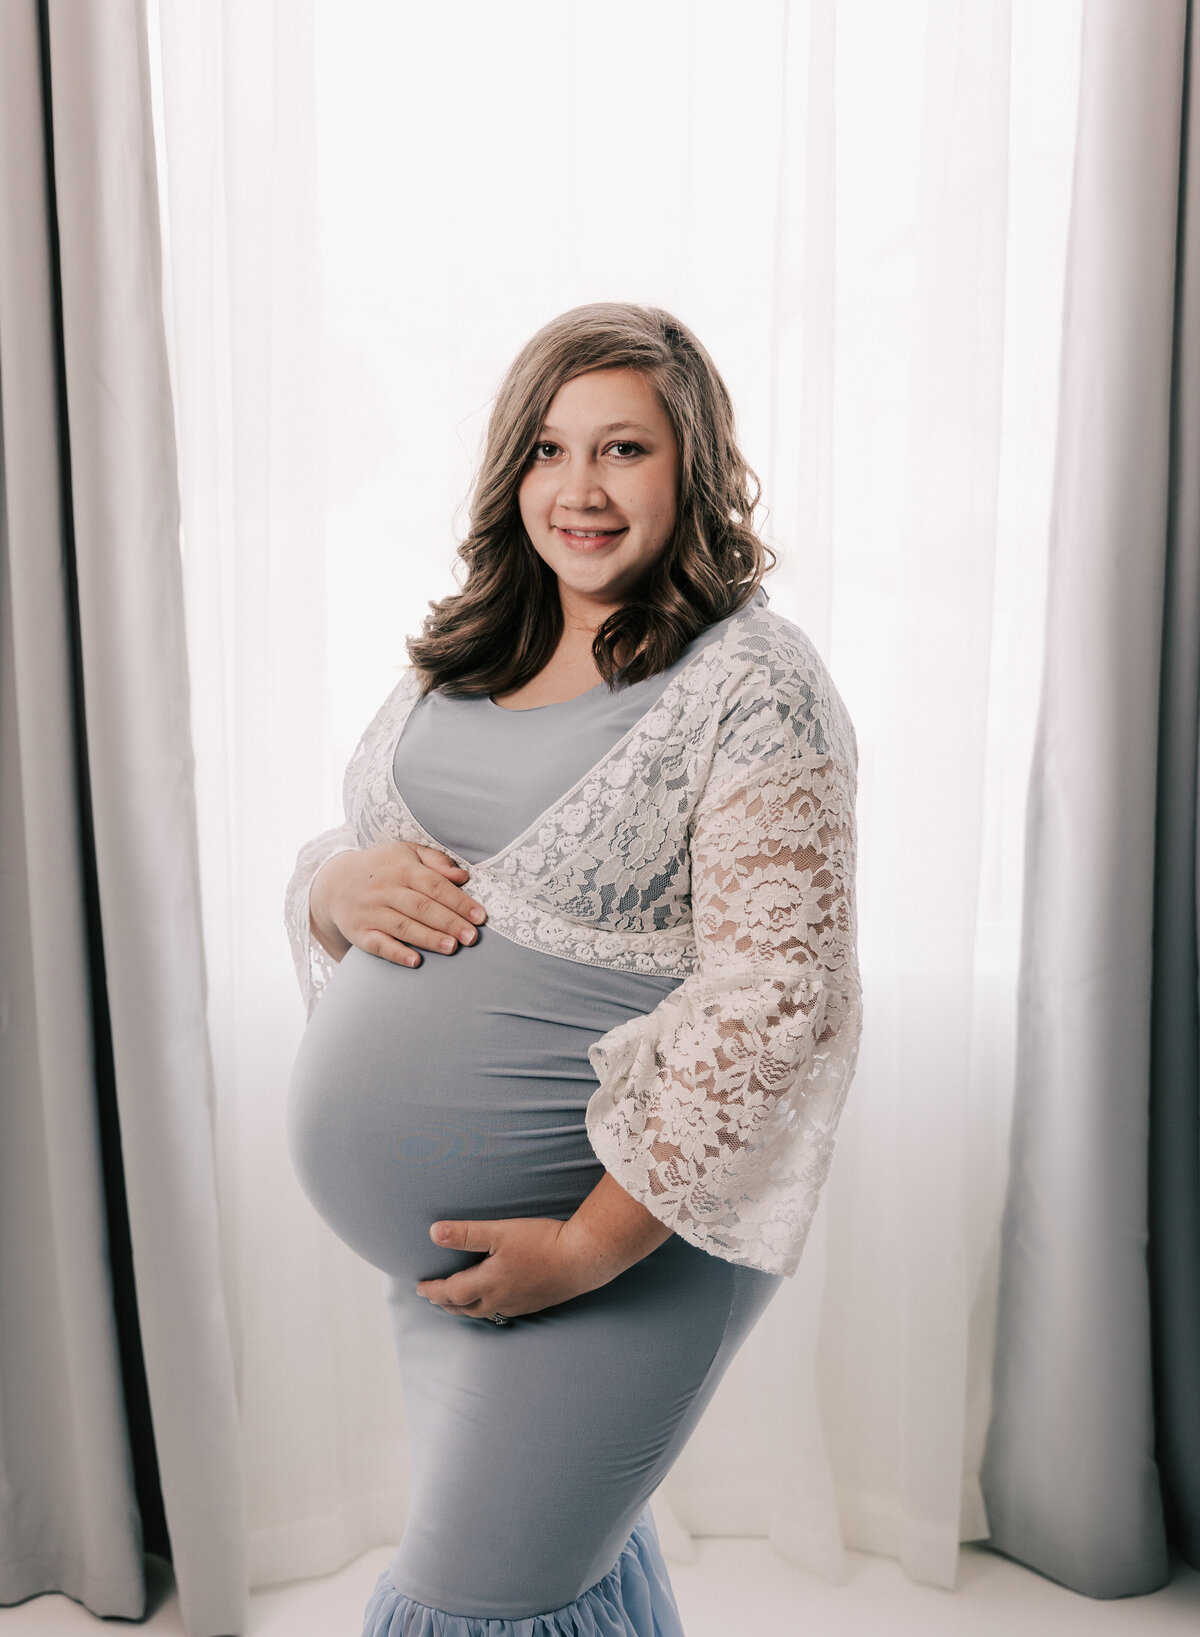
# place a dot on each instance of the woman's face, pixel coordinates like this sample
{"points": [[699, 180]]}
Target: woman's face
{"points": [[599, 499]]}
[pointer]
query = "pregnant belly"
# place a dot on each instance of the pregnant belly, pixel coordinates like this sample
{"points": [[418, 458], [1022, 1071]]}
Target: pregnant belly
{"points": [[454, 1090]]}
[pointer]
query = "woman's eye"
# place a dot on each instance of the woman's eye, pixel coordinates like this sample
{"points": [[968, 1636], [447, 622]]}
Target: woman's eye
{"points": [[623, 448]]}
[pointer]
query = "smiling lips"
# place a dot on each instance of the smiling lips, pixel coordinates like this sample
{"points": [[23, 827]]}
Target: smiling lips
{"points": [[589, 539]]}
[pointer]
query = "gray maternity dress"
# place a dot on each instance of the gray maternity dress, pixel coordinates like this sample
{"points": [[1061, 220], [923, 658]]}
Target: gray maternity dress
{"points": [[457, 1089]]}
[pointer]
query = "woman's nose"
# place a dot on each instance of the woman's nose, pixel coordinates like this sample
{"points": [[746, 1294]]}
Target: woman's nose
{"points": [[581, 490]]}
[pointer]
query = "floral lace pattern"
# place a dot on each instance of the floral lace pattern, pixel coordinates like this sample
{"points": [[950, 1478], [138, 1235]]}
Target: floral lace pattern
{"points": [[718, 1110], [715, 842]]}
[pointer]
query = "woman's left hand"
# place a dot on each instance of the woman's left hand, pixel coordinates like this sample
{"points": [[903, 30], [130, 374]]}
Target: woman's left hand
{"points": [[532, 1262]]}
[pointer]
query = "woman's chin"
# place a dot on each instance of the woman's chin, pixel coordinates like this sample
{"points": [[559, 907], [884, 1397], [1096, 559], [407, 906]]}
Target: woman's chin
{"points": [[605, 579]]}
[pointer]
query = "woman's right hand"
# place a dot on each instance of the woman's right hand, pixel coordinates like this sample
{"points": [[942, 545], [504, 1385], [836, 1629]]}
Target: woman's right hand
{"points": [[388, 898]]}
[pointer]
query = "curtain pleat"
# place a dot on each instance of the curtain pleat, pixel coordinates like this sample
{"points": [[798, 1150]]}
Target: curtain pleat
{"points": [[1174, 1249], [1070, 1478], [69, 1518], [115, 1366]]}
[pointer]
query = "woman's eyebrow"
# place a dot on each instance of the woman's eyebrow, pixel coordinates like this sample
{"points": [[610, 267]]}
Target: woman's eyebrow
{"points": [[615, 426]]}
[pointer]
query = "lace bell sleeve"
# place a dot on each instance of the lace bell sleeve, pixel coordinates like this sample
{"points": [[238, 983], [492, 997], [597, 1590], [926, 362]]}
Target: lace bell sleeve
{"points": [[314, 965], [718, 1109]]}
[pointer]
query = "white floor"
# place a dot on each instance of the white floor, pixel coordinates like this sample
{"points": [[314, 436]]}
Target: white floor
{"points": [[736, 1588]]}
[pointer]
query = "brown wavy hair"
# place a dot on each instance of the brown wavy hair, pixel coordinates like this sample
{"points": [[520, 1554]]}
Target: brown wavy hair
{"points": [[502, 627]]}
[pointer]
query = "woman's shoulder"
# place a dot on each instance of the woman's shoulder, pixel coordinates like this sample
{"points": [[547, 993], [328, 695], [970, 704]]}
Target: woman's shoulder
{"points": [[779, 697]]}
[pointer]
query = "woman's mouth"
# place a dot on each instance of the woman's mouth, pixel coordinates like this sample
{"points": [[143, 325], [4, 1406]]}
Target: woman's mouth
{"points": [[589, 539]]}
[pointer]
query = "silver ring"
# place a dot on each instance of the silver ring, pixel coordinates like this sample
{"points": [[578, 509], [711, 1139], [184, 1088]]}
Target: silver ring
{"points": [[498, 1318]]}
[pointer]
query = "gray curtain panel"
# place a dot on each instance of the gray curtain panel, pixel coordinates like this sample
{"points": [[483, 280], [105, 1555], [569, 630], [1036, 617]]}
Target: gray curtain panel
{"points": [[1092, 1464], [1174, 1251], [118, 1413]]}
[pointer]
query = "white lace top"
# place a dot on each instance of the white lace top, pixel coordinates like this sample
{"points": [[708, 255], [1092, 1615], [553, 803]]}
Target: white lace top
{"points": [[716, 843]]}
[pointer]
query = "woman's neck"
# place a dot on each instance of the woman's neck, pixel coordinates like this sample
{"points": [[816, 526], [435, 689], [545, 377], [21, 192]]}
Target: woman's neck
{"points": [[571, 669]]}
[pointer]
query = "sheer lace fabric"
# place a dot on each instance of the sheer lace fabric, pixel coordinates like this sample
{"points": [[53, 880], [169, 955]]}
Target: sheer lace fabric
{"points": [[715, 842], [718, 1110]]}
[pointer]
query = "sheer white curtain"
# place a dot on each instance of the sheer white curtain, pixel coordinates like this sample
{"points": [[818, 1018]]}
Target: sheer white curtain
{"points": [[861, 210]]}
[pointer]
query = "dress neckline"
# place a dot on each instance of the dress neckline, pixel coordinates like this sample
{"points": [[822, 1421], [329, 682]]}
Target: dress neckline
{"points": [[551, 705], [708, 653], [759, 598]]}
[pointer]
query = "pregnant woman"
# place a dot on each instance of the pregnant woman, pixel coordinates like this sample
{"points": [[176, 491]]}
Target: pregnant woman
{"points": [[583, 1133]]}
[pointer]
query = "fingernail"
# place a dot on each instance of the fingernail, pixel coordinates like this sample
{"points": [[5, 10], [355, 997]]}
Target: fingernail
{"points": [[440, 1231], [467, 935], [477, 915]]}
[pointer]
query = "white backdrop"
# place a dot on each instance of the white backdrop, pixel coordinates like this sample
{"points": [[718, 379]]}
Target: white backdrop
{"points": [[860, 208]]}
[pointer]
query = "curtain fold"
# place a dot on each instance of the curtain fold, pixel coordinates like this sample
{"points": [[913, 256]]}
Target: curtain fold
{"points": [[106, 1167], [70, 1519], [1108, 973], [1174, 1247]]}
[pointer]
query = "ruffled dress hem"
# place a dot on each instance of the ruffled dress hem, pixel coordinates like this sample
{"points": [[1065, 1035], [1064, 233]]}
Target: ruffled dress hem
{"points": [[634, 1599]]}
